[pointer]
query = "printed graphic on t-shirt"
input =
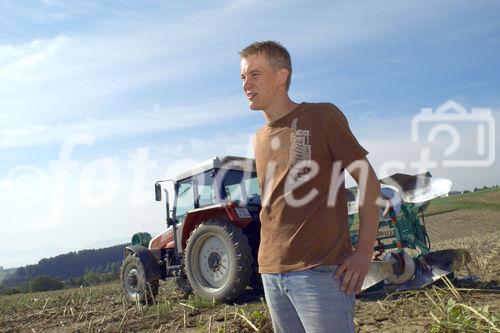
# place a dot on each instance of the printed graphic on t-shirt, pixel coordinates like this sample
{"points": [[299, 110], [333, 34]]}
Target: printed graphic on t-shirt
{"points": [[300, 150]]}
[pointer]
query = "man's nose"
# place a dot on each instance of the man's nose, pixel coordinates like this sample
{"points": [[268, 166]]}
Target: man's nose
{"points": [[247, 83]]}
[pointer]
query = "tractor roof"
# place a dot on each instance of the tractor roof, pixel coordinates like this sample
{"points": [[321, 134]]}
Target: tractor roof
{"points": [[225, 162]]}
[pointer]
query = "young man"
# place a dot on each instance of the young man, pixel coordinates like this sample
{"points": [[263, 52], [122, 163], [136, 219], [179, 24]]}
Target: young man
{"points": [[309, 270]]}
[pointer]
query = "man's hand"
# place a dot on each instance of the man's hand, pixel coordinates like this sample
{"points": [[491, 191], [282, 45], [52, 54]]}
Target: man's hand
{"points": [[354, 269]]}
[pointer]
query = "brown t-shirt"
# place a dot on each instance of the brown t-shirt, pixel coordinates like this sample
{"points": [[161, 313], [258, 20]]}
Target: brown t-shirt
{"points": [[295, 157]]}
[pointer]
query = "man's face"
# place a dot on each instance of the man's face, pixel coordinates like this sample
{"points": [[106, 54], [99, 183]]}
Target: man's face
{"points": [[261, 84]]}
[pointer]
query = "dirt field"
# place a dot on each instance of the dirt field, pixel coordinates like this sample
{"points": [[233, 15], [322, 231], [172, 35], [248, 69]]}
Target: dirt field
{"points": [[454, 223]]}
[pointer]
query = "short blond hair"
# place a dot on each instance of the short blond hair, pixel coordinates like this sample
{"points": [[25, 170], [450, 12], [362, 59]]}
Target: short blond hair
{"points": [[276, 54]]}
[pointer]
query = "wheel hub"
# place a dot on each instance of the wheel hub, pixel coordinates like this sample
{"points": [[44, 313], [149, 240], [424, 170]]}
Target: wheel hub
{"points": [[214, 261], [132, 278]]}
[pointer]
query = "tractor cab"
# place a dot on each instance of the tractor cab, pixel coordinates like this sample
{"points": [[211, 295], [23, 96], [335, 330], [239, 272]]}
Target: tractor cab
{"points": [[216, 181], [207, 187]]}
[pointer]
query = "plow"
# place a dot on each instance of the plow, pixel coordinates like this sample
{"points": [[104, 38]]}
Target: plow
{"points": [[403, 259], [212, 237]]}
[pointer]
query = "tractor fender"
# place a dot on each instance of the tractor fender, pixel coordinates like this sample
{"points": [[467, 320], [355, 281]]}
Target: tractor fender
{"points": [[152, 269], [218, 211]]}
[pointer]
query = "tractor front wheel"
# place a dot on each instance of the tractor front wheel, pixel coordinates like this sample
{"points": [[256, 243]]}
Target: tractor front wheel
{"points": [[135, 286], [218, 261]]}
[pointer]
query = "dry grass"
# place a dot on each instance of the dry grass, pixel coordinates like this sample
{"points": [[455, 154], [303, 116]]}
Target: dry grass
{"points": [[485, 255], [104, 309], [473, 305], [451, 312]]}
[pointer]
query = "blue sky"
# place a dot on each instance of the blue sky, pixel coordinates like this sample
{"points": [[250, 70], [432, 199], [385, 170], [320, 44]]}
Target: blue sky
{"points": [[160, 79]]}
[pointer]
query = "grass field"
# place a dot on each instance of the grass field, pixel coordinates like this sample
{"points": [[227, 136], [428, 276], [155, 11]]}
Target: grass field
{"points": [[468, 221], [488, 199]]}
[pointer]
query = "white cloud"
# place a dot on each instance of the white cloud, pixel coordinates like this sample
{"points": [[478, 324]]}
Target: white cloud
{"points": [[64, 77], [51, 202], [154, 120], [391, 141]]}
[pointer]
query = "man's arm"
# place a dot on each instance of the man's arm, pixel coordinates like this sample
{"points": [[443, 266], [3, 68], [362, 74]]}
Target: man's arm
{"points": [[357, 265]]}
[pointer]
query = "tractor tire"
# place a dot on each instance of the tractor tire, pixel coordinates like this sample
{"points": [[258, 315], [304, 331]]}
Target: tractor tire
{"points": [[218, 261], [256, 283], [135, 286]]}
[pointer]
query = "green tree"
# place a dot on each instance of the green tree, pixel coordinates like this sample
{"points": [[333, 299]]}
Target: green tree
{"points": [[92, 278], [44, 282], [76, 281]]}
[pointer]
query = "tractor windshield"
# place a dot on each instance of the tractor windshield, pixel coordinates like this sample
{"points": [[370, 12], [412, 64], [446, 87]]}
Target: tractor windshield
{"points": [[184, 199], [205, 189], [241, 186]]}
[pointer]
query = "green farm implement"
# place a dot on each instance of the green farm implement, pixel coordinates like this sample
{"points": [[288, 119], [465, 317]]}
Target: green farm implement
{"points": [[402, 230]]}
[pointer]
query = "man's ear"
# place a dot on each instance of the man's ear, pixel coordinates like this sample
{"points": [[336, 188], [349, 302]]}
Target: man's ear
{"points": [[283, 76]]}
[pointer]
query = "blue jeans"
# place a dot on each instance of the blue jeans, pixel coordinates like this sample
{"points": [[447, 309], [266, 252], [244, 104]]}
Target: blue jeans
{"points": [[309, 301]]}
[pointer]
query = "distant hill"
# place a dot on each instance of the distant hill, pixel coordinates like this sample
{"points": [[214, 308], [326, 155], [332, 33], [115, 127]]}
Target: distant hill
{"points": [[108, 243], [65, 266], [4, 272]]}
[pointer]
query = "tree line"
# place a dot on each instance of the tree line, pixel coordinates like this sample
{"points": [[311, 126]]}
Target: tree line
{"points": [[73, 269]]}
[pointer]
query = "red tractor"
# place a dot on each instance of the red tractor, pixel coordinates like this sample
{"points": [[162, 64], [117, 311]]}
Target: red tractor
{"points": [[210, 245]]}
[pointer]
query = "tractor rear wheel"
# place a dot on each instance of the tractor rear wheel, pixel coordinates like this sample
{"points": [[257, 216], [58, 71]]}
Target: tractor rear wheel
{"points": [[218, 260], [135, 286]]}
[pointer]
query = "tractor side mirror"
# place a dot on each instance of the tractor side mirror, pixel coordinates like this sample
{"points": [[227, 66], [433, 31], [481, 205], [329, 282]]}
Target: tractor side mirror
{"points": [[158, 191]]}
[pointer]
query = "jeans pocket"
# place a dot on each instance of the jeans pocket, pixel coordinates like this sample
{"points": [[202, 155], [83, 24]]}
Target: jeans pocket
{"points": [[322, 269]]}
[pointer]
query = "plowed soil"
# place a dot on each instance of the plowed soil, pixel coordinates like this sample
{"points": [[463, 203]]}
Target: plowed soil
{"points": [[469, 221]]}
